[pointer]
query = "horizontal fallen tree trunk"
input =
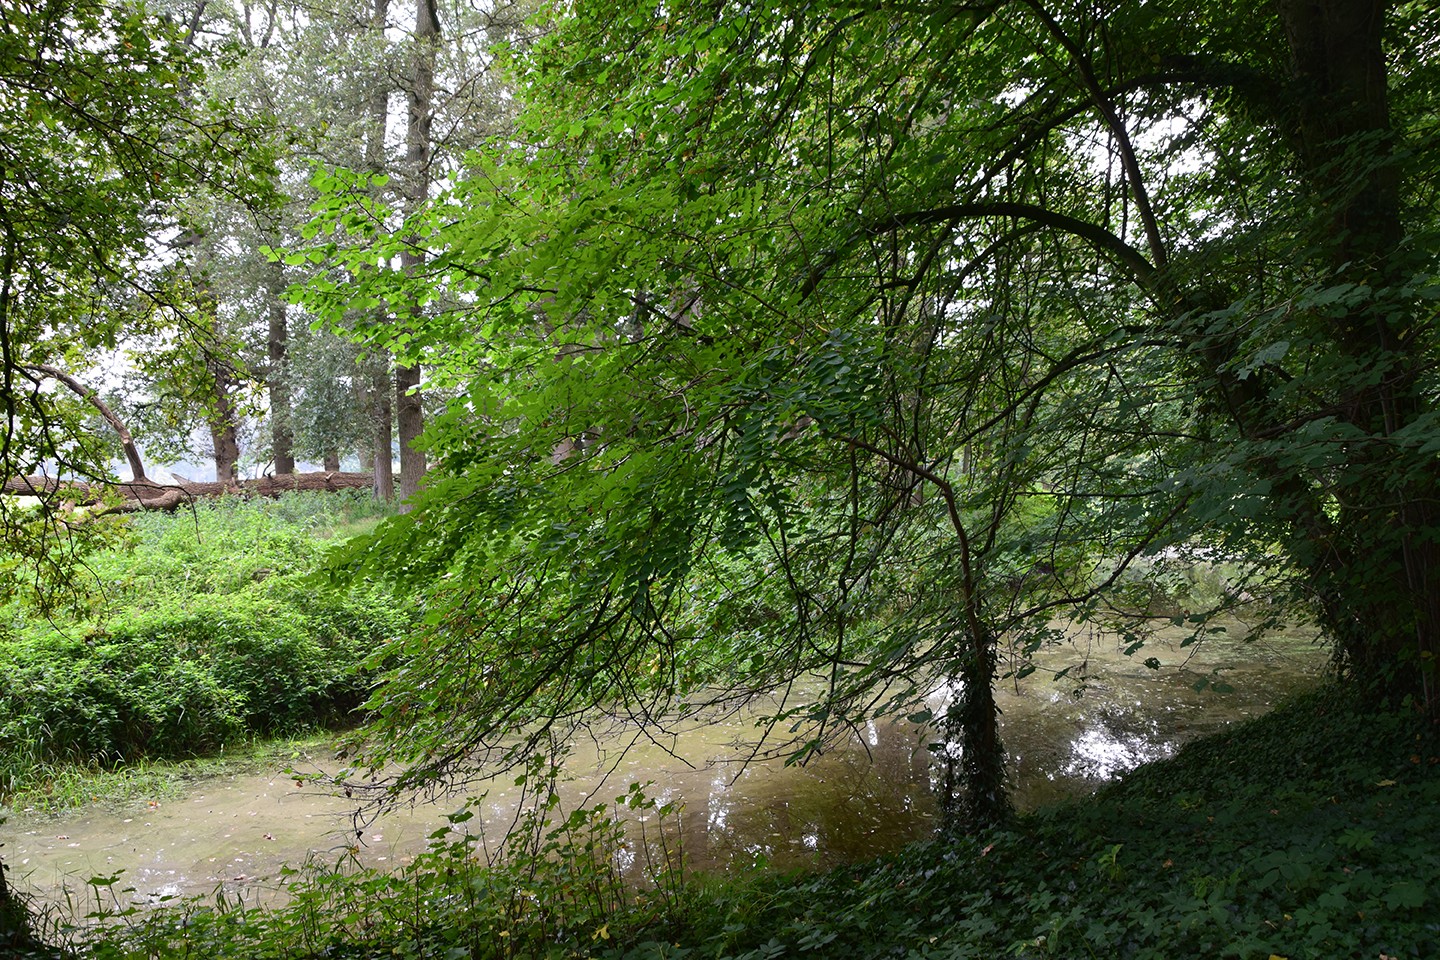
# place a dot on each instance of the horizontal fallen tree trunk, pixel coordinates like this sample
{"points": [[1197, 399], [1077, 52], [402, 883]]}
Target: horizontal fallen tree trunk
{"points": [[149, 495]]}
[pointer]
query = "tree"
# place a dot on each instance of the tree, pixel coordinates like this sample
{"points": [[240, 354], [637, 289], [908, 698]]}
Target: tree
{"points": [[842, 341], [100, 141], [421, 91]]}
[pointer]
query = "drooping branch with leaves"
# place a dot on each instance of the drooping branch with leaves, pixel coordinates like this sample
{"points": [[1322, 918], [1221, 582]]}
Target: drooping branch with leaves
{"points": [[815, 352]]}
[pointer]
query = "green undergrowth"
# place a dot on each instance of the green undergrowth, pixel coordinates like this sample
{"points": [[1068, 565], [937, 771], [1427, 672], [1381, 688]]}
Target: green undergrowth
{"points": [[65, 786], [1313, 832], [205, 631]]}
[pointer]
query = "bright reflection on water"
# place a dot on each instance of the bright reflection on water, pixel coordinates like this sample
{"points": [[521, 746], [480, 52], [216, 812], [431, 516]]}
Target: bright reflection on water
{"points": [[870, 793]]}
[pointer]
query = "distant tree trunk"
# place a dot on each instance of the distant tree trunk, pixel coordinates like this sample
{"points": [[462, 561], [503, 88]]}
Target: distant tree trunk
{"points": [[410, 419], [331, 459], [377, 383], [384, 487], [282, 433], [224, 433], [221, 417], [365, 450], [409, 408]]}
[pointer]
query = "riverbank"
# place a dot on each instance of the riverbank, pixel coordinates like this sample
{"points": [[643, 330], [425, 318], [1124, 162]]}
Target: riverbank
{"points": [[231, 825], [190, 636], [1311, 832]]}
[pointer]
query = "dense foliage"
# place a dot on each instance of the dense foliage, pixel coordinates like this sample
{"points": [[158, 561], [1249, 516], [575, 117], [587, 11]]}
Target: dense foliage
{"points": [[845, 340], [841, 342], [107, 131], [210, 634]]}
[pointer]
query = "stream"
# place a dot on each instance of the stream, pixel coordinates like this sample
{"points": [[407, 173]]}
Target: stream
{"points": [[1065, 738]]}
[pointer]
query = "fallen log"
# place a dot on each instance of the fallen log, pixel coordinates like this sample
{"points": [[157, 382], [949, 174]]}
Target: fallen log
{"points": [[147, 494]]}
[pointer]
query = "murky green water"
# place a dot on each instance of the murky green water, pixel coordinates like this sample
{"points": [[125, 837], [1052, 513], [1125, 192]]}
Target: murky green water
{"points": [[1109, 714]]}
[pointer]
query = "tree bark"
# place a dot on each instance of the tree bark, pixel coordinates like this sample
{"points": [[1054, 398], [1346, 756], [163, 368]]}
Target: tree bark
{"points": [[975, 794], [224, 433], [384, 488], [1377, 571], [378, 383], [282, 434], [127, 442], [148, 495], [410, 416], [221, 417], [410, 421]]}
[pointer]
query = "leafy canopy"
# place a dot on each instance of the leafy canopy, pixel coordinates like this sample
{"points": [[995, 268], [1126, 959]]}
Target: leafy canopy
{"points": [[104, 133], [839, 341]]}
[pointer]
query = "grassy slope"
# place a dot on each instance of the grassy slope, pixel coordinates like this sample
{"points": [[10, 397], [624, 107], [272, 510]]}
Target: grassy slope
{"points": [[200, 632]]}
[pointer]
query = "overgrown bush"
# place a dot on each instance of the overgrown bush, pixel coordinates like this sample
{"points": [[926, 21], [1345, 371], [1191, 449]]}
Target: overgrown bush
{"points": [[71, 699], [210, 631], [224, 544]]}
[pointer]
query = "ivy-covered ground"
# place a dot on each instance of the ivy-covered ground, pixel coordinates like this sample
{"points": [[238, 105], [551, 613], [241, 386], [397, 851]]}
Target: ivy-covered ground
{"points": [[1310, 833], [1313, 832]]}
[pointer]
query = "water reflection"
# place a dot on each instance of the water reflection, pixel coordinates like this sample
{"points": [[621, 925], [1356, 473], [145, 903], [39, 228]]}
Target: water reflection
{"points": [[871, 792]]}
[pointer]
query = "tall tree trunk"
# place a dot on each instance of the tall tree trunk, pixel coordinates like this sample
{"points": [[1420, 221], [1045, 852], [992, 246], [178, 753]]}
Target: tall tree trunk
{"points": [[384, 432], [221, 416], [974, 789], [365, 450], [224, 432], [377, 382], [1377, 570], [410, 422], [410, 417], [282, 434]]}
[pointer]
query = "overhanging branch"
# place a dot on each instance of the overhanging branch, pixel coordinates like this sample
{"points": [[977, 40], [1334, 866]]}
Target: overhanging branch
{"points": [[132, 453], [1141, 270]]}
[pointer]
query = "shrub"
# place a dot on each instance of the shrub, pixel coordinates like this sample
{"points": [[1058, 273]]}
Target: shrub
{"points": [[72, 699], [210, 632]]}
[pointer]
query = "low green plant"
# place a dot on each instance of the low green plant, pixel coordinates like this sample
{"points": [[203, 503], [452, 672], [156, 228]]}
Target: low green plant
{"points": [[554, 886], [53, 787], [223, 544]]}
